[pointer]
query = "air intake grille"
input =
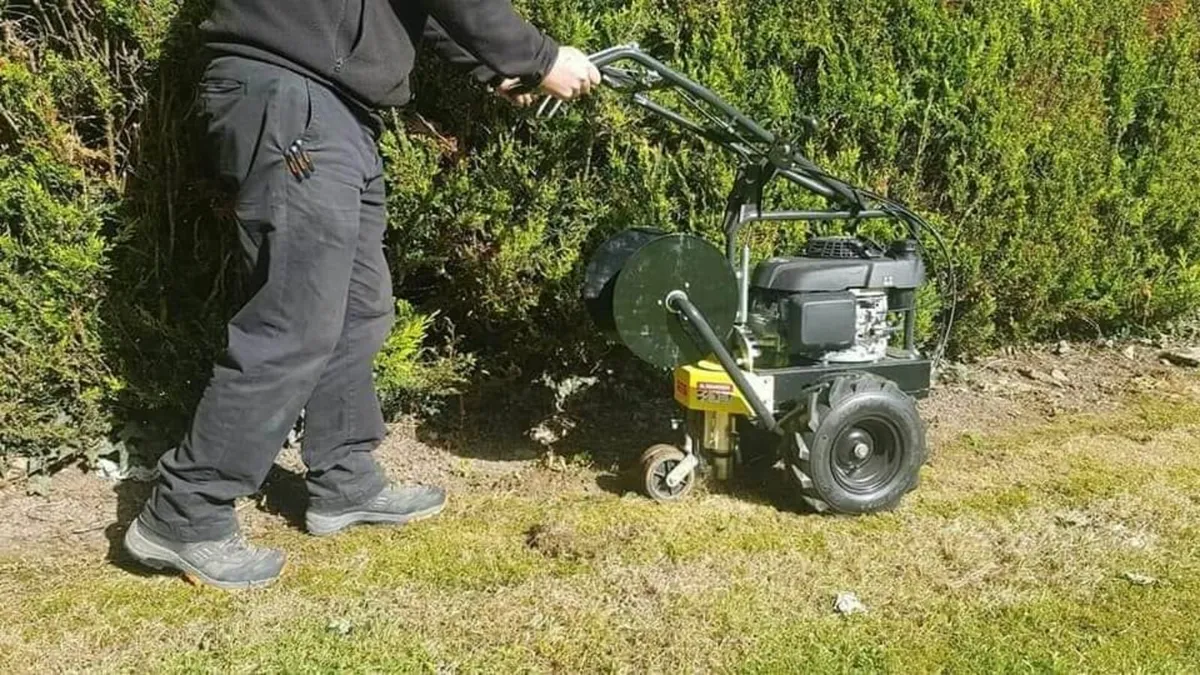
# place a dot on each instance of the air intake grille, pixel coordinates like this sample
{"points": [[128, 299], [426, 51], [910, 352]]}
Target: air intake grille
{"points": [[840, 248]]}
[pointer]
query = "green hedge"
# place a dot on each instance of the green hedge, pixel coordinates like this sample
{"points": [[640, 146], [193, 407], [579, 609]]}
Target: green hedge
{"points": [[1056, 143]]}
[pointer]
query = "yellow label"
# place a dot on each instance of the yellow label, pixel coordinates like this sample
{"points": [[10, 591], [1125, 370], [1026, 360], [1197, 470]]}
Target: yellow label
{"points": [[708, 388]]}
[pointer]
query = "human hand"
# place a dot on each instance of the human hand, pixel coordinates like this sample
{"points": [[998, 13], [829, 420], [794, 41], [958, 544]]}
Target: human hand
{"points": [[573, 75], [508, 90]]}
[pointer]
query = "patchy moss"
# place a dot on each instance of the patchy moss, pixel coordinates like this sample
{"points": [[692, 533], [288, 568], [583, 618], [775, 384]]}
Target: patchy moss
{"points": [[998, 503], [1012, 556]]}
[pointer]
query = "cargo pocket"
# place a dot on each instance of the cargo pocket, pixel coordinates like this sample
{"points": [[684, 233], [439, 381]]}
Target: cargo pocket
{"points": [[220, 86]]}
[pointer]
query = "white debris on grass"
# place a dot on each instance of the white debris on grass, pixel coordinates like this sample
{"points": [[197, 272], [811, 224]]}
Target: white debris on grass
{"points": [[848, 603], [1140, 579]]}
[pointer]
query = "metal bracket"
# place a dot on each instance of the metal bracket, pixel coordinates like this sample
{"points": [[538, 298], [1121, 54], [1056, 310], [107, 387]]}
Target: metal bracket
{"points": [[678, 303], [682, 470]]}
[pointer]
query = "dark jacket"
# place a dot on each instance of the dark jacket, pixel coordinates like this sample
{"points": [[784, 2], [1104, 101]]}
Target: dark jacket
{"points": [[365, 48]]}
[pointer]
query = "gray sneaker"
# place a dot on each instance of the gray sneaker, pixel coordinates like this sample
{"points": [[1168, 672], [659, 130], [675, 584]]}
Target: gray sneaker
{"points": [[395, 506], [229, 564]]}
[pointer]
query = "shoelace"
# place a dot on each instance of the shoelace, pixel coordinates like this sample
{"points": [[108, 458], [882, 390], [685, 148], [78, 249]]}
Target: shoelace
{"points": [[237, 545]]}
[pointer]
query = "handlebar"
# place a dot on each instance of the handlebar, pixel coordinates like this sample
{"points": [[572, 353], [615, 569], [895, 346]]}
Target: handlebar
{"points": [[725, 125], [722, 123], [764, 154]]}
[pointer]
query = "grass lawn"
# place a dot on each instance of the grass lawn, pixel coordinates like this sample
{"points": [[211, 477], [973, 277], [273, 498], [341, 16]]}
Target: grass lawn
{"points": [[1013, 555]]}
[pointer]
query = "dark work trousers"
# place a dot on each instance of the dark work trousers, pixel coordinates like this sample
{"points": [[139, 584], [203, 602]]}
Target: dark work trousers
{"points": [[321, 308]]}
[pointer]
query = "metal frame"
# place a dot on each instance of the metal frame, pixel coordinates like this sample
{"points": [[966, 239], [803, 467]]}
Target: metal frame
{"points": [[764, 157]]}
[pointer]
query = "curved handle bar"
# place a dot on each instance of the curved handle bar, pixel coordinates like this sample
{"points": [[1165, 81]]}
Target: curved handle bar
{"points": [[741, 135], [735, 131], [604, 59]]}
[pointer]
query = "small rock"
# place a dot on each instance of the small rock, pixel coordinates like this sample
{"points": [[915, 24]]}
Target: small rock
{"points": [[38, 485], [1060, 376], [1063, 347], [1184, 358], [340, 627], [1140, 579], [1130, 353], [848, 603], [1039, 375]]}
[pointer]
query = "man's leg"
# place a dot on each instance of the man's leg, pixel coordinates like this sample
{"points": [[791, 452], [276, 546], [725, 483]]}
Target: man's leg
{"points": [[343, 422], [300, 237]]}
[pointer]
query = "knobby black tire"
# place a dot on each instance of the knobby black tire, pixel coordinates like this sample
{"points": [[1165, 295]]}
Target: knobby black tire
{"points": [[835, 409]]}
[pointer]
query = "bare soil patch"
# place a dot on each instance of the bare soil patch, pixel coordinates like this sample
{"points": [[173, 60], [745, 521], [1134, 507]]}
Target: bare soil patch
{"points": [[591, 442]]}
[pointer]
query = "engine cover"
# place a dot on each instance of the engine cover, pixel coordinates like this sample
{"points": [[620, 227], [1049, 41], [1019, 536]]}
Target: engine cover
{"points": [[832, 304], [816, 275]]}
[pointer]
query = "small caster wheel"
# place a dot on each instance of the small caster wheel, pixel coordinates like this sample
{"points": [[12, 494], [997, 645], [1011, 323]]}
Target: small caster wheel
{"points": [[657, 463]]}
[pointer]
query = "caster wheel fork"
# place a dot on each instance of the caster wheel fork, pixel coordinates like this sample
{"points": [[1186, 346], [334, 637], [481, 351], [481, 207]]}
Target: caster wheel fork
{"points": [[668, 473]]}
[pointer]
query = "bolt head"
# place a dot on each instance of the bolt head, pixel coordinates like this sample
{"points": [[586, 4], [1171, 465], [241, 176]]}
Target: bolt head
{"points": [[862, 451]]}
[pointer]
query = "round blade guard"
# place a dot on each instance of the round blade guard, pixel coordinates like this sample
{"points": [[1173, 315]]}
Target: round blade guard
{"points": [[627, 283]]}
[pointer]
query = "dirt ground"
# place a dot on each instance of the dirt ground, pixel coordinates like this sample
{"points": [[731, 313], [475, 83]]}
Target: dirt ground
{"points": [[592, 448]]}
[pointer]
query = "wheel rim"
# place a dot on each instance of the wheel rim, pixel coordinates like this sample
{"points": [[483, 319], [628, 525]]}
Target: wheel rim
{"points": [[661, 471], [867, 455]]}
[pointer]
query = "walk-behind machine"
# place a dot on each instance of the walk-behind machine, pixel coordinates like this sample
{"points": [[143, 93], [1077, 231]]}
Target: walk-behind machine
{"points": [[810, 358]]}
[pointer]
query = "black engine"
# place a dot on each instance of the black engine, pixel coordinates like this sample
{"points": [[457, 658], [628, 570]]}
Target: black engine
{"points": [[837, 303]]}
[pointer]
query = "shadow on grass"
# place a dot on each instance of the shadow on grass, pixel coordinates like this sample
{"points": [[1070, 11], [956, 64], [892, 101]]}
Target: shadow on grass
{"points": [[603, 429], [283, 494], [130, 497]]}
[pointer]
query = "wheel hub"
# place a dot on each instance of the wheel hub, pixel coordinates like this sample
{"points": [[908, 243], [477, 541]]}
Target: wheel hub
{"points": [[661, 475], [867, 456]]}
